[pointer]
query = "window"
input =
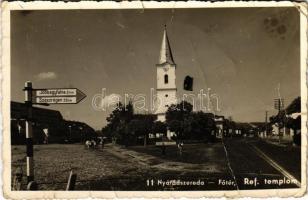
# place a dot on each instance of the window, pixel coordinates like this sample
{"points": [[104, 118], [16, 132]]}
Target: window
{"points": [[166, 78], [166, 95]]}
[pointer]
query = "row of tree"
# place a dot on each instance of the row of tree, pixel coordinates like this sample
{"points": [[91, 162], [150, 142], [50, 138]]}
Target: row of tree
{"points": [[128, 128], [125, 127], [190, 125]]}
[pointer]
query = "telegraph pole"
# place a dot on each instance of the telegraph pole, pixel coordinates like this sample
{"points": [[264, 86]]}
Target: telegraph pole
{"points": [[266, 114], [279, 105], [29, 132]]}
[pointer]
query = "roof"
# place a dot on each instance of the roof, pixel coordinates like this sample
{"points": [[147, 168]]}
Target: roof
{"points": [[19, 111], [294, 107], [165, 55], [77, 124]]}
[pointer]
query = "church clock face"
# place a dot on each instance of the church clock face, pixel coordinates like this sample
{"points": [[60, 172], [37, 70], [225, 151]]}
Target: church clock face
{"points": [[166, 68]]}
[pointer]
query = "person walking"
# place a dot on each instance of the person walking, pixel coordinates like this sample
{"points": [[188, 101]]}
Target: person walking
{"points": [[180, 148], [45, 130]]}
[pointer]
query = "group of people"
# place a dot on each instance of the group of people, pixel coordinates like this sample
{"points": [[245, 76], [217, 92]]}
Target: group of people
{"points": [[94, 143]]}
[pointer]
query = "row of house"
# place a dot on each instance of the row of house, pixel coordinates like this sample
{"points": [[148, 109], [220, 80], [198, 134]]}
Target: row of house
{"points": [[228, 128], [285, 126], [48, 126]]}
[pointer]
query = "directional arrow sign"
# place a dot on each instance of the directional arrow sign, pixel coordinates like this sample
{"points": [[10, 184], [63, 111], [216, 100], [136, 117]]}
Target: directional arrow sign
{"points": [[57, 96], [55, 92]]}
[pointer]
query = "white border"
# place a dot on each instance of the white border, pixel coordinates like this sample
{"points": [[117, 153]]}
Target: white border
{"points": [[5, 25]]}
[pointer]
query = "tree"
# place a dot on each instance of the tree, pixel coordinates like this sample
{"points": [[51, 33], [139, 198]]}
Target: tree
{"points": [[159, 127], [135, 128], [177, 127], [178, 111], [203, 125], [106, 131], [176, 115], [190, 125], [118, 121], [146, 124], [125, 127]]}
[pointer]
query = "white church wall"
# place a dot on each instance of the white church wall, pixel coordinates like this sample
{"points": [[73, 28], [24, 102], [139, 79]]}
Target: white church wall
{"points": [[165, 98], [161, 72]]}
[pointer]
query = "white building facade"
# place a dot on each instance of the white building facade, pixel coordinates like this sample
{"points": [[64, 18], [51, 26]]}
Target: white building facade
{"points": [[166, 76]]}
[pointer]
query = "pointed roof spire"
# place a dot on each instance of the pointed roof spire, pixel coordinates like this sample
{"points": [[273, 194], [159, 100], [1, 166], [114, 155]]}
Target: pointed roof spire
{"points": [[165, 51]]}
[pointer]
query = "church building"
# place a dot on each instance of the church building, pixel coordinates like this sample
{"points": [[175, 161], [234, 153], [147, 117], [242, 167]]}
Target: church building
{"points": [[166, 76]]}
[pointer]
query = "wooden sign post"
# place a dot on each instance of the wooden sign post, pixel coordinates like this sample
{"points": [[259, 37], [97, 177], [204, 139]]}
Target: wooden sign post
{"points": [[44, 97], [29, 134], [57, 96]]}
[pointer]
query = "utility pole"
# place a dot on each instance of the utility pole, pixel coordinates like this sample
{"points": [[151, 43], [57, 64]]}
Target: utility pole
{"points": [[279, 105], [266, 114]]}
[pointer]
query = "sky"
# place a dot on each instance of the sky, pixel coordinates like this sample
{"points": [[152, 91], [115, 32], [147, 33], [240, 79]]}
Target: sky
{"points": [[242, 54]]}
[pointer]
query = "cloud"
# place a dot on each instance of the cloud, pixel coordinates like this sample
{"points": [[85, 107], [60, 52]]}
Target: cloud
{"points": [[46, 76]]}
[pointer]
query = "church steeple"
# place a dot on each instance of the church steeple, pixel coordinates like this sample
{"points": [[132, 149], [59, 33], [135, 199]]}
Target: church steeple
{"points": [[166, 76], [165, 51]]}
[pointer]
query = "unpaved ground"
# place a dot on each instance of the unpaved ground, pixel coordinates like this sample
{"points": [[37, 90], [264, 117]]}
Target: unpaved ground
{"points": [[113, 168], [208, 158], [53, 163], [119, 168]]}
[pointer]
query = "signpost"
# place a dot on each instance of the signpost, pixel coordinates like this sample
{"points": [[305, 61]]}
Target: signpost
{"points": [[44, 97], [29, 135], [57, 96]]}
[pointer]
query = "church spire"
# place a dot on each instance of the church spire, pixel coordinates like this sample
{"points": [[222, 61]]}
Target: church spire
{"points": [[165, 51]]}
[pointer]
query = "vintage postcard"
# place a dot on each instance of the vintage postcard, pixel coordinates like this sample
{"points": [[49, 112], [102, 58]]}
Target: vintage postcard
{"points": [[154, 99]]}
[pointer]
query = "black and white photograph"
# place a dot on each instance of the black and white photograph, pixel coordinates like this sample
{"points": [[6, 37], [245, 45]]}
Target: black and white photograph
{"points": [[157, 99]]}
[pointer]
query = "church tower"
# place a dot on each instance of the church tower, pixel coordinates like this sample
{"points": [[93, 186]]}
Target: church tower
{"points": [[166, 86]]}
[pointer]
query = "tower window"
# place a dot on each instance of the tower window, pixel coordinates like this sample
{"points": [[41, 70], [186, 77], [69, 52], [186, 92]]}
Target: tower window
{"points": [[166, 78], [166, 95]]}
